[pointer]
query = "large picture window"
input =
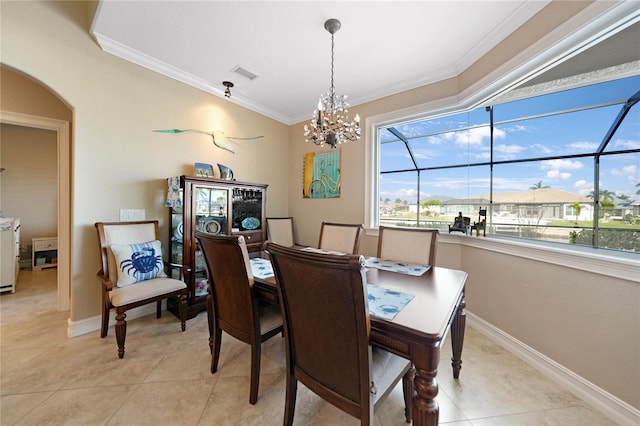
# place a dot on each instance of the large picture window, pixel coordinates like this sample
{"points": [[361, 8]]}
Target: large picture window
{"points": [[562, 167]]}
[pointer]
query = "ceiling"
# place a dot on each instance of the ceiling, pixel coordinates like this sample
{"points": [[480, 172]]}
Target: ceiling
{"points": [[383, 47]]}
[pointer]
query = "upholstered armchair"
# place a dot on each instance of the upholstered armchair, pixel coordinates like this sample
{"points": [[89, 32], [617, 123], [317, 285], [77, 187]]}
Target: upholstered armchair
{"points": [[133, 274]]}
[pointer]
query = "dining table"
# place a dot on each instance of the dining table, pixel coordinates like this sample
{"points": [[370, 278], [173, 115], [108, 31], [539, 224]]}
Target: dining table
{"points": [[418, 330]]}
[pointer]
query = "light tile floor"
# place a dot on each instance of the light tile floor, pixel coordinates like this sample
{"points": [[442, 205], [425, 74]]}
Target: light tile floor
{"points": [[164, 379]]}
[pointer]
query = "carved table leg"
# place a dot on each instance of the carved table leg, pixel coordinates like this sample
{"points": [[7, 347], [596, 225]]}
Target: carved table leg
{"points": [[457, 337], [425, 406]]}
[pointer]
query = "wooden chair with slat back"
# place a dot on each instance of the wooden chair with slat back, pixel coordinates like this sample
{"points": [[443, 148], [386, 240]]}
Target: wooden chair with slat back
{"points": [[326, 326], [280, 231], [232, 303], [133, 274], [411, 245], [342, 237]]}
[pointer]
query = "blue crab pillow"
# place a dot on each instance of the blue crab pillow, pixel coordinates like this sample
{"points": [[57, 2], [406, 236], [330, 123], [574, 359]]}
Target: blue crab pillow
{"points": [[138, 262]]}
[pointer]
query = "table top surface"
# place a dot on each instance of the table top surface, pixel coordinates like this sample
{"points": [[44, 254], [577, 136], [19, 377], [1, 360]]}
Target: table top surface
{"points": [[437, 292]]}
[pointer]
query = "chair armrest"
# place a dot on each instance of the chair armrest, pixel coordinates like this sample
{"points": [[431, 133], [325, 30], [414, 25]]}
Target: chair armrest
{"points": [[104, 279], [181, 268]]}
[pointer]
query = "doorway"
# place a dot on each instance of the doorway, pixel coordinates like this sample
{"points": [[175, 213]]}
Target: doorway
{"points": [[61, 128]]}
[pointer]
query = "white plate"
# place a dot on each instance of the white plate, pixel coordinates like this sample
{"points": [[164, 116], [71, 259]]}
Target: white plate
{"points": [[212, 226], [179, 231]]}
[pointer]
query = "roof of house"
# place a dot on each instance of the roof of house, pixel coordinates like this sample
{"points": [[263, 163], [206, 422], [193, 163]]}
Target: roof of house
{"points": [[538, 196]]}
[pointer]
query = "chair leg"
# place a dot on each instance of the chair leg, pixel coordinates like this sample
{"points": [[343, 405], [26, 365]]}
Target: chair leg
{"points": [[255, 371], [105, 321], [210, 320], [182, 311], [159, 309], [290, 399], [121, 332], [408, 390], [215, 357]]}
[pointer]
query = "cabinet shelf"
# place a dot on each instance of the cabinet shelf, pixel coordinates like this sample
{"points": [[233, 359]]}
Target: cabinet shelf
{"points": [[215, 206]]}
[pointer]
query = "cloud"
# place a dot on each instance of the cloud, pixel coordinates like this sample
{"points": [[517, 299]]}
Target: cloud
{"points": [[541, 148], [556, 174], [583, 187], [476, 136], [560, 164], [584, 146], [630, 170], [624, 144]]}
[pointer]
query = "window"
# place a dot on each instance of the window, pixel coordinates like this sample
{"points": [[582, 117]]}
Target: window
{"points": [[561, 167]]}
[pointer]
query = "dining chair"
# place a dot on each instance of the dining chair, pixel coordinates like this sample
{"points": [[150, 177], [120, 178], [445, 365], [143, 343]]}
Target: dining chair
{"points": [[342, 237], [411, 245], [133, 274], [326, 329], [232, 303], [280, 231]]}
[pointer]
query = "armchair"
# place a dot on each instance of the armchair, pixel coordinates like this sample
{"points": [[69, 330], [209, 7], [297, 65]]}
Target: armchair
{"points": [[132, 274]]}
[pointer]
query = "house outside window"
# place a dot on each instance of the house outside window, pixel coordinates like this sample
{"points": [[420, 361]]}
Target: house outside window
{"points": [[561, 166]]}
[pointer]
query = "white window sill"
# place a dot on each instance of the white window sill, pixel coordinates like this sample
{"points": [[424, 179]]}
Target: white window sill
{"points": [[609, 263]]}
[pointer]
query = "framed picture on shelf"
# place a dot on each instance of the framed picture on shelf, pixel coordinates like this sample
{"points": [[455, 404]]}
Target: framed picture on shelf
{"points": [[204, 170]]}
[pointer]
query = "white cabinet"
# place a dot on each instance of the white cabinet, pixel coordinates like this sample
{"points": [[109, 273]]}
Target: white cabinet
{"points": [[9, 253], [44, 253]]}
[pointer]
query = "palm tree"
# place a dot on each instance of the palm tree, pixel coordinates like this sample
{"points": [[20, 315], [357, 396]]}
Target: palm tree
{"points": [[606, 195], [538, 185], [606, 205], [578, 208]]}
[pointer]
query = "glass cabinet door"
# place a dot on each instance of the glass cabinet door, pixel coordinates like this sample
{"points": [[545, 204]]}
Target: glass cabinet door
{"points": [[246, 209], [210, 209], [210, 215]]}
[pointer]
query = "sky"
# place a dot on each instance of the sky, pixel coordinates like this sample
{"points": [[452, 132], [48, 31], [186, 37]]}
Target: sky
{"points": [[545, 126]]}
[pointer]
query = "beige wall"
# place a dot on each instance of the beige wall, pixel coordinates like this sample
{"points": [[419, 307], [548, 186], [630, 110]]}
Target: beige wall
{"points": [[587, 322], [29, 183], [584, 321], [118, 162]]}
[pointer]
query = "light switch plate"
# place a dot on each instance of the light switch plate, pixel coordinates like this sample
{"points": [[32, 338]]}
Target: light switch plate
{"points": [[127, 215]]}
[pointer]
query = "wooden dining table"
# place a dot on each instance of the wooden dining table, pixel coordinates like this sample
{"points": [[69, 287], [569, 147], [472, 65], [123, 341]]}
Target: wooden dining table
{"points": [[418, 331]]}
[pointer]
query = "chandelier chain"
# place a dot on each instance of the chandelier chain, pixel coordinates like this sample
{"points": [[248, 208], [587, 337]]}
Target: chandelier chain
{"points": [[333, 89]]}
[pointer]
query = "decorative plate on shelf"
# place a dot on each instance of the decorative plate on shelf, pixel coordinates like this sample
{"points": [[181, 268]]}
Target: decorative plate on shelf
{"points": [[251, 223], [178, 231], [212, 226]]}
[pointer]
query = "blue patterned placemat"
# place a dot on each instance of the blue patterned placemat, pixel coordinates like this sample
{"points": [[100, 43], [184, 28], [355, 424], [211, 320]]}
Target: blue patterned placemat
{"points": [[261, 268], [396, 266], [385, 303], [322, 251]]}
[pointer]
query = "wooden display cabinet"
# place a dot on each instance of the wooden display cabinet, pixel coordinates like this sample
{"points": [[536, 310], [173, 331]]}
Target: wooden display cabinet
{"points": [[215, 206]]}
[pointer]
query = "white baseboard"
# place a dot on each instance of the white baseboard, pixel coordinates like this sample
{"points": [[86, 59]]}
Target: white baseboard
{"points": [[601, 400], [89, 325]]}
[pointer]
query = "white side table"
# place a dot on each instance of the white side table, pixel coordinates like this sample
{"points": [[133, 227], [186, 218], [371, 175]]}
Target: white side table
{"points": [[44, 253]]}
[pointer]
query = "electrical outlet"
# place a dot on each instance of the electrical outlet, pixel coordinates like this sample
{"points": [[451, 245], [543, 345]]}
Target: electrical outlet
{"points": [[127, 215]]}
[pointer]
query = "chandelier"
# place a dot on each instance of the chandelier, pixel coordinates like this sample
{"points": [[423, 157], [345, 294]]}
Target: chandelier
{"points": [[330, 123]]}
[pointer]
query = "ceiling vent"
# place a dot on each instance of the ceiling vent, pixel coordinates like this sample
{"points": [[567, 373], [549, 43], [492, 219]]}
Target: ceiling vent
{"points": [[245, 73]]}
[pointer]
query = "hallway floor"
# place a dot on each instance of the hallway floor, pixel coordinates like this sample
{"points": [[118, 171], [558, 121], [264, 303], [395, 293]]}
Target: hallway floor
{"points": [[47, 378]]}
